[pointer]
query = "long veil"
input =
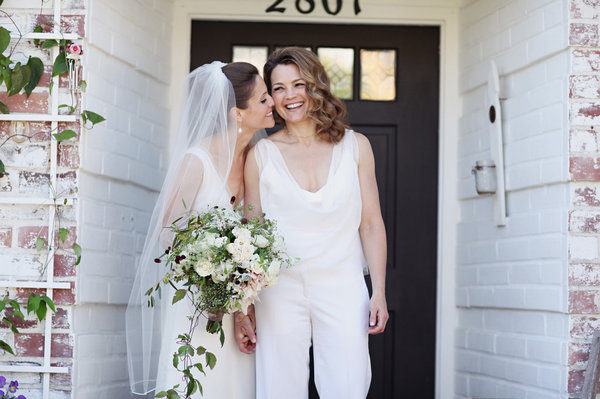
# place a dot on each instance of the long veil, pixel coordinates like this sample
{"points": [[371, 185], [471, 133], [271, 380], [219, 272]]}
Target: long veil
{"points": [[205, 124]]}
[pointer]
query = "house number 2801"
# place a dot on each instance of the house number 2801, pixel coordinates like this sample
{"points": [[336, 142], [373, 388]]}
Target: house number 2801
{"points": [[308, 6]]}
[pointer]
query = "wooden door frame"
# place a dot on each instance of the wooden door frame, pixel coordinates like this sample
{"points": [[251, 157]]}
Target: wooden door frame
{"points": [[446, 17]]}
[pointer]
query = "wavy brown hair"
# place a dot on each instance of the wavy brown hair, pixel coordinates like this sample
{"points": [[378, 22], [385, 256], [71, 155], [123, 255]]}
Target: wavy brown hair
{"points": [[326, 110]]}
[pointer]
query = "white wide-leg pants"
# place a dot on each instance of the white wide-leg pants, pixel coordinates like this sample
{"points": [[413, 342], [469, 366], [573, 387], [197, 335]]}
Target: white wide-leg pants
{"points": [[332, 310]]}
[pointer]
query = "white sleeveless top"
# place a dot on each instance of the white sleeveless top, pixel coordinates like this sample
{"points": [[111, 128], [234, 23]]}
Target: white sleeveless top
{"points": [[234, 373], [320, 228]]}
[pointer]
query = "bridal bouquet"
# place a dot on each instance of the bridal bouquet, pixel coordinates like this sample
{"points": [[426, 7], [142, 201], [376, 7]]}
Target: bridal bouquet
{"points": [[220, 260]]}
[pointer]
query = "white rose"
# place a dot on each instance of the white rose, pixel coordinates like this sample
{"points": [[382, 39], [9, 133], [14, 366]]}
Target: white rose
{"points": [[243, 234], [203, 267], [261, 241]]}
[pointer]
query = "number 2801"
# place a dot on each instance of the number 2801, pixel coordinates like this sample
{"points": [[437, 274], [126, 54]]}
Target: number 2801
{"points": [[308, 6]]}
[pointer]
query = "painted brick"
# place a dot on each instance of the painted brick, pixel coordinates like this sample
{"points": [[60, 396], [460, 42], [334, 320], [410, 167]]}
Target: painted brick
{"points": [[584, 274], [62, 345], [584, 168], [35, 103], [584, 86], [588, 195], [584, 9], [583, 247], [579, 354], [32, 345], [28, 236], [583, 140], [68, 155], [585, 35], [66, 182], [584, 221], [61, 319], [584, 302], [64, 266], [6, 237], [34, 183], [583, 327], [29, 344], [585, 60], [576, 378], [584, 113], [65, 296]]}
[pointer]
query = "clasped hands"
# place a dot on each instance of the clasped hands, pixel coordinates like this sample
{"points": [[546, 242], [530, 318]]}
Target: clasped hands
{"points": [[244, 327]]}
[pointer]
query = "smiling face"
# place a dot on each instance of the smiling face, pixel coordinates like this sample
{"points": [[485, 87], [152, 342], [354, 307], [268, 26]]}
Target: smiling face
{"points": [[289, 93], [259, 112]]}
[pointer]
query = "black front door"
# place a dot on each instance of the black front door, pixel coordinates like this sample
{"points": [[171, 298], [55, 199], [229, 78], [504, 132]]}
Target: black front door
{"points": [[391, 91]]}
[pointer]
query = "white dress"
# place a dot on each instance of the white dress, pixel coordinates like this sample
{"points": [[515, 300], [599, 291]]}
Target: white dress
{"points": [[234, 374], [322, 299]]}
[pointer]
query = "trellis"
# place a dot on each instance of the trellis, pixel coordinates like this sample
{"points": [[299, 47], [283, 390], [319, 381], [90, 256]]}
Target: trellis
{"points": [[49, 285]]}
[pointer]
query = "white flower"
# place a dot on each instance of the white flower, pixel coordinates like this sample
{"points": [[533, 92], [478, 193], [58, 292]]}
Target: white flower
{"points": [[278, 244], [240, 251], [273, 271], [242, 233], [203, 267], [260, 241]]}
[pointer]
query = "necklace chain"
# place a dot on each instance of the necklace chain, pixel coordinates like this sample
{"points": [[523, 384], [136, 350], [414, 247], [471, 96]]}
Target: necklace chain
{"points": [[300, 137]]}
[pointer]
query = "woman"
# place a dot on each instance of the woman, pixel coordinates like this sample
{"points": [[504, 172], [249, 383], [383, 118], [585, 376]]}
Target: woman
{"points": [[224, 106], [317, 180]]}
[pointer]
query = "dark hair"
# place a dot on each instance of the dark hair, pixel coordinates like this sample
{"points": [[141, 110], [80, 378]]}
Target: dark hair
{"points": [[242, 76], [326, 110]]}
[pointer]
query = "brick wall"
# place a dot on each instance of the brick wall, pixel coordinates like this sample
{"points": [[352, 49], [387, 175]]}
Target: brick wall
{"points": [[512, 333], [28, 166], [584, 154], [122, 166]]}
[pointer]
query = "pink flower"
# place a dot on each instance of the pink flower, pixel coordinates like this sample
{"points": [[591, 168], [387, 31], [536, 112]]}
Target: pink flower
{"points": [[75, 49]]}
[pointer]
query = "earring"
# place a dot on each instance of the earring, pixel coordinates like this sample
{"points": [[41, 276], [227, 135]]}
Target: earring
{"points": [[240, 130]]}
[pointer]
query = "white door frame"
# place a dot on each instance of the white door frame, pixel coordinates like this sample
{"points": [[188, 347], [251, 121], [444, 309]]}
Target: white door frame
{"points": [[408, 12]]}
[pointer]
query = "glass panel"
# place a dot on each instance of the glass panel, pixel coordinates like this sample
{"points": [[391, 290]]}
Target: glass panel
{"points": [[378, 75], [339, 65], [255, 55]]}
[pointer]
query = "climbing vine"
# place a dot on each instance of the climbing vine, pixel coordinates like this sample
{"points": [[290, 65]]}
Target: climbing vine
{"points": [[22, 77]]}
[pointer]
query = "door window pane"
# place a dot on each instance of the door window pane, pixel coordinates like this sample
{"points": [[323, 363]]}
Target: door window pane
{"points": [[255, 55], [377, 75], [339, 65]]}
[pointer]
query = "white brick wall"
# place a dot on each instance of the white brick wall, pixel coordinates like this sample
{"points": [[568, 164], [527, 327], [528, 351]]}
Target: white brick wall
{"points": [[511, 281], [127, 68]]}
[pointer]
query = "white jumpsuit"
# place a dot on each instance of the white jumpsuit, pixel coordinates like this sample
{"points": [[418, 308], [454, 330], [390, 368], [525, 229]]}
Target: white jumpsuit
{"points": [[322, 298], [233, 376]]}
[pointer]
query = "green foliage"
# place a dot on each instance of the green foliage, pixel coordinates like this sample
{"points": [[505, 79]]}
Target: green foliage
{"points": [[77, 250], [60, 65], [37, 70], [10, 309], [40, 242], [62, 234], [4, 39], [2, 169], [179, 295], [65, 135], [92, 117]]}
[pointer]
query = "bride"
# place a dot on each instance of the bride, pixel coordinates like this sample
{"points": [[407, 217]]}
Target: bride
{"points": [[224, 106]]}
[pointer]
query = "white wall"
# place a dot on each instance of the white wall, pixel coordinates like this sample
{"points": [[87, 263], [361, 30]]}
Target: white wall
{"points": [[511, 281], [128, 73]]}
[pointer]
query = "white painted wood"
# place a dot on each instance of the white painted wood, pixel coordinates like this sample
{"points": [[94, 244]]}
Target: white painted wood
{"points": [[34, 369], [14, 200], [35, 284], [385, 12], [27, 117], [497, 144]]}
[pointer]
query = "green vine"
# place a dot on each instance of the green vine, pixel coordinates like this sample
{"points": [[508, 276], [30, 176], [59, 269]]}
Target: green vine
{"points": [[23, 77]]}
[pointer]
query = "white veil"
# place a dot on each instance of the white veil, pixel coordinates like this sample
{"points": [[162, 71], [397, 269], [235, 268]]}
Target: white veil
{"points": [[205, 123]]}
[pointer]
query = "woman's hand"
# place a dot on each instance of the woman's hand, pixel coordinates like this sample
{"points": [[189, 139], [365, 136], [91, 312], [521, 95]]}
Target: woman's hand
{"points": [[378, 314], [244, 325]]}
